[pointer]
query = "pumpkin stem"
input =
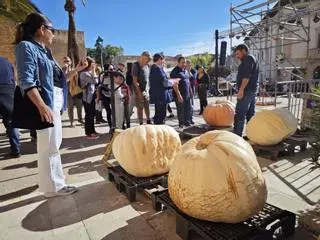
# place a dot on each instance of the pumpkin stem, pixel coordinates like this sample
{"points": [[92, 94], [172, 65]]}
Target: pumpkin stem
{"points": [[201, 146]]}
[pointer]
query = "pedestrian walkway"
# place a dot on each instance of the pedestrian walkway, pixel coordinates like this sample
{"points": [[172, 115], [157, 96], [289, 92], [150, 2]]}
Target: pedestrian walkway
{"points": [[99, 211]]}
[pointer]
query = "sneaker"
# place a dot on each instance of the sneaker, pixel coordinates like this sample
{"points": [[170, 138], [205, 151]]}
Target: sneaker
{"points": [[67, 190], [15, 154], [92, 137]]}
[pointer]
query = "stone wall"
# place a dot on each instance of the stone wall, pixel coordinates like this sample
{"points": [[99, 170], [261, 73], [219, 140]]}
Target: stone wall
{"points": [[7, 33], [59, 46]]}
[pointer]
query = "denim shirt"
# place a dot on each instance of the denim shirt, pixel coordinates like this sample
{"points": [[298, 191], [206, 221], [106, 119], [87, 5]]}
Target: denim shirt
{"points": [[35, 69]]}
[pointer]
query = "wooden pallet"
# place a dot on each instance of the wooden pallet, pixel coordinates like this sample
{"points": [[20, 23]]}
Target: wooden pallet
{"points": [[130, 185], [287, 147], [263, 226]]}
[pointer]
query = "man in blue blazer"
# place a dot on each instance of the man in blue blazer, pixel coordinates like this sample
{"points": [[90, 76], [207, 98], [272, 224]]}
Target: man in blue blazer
{"points": [[159, 88]]}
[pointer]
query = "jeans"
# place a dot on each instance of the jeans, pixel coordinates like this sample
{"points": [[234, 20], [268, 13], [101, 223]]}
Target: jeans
{"points": [[51, 177], [183, 112], [6, 108], [126, 114], [203, 104], [106, 102], [191, 109], [160, 114], [74, 102], [89, 109], [169, 109], [245, 109], [132, 100]]}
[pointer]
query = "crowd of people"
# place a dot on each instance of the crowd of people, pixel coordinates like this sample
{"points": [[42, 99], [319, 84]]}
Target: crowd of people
{"points": [[137, 84], [52, 89]]}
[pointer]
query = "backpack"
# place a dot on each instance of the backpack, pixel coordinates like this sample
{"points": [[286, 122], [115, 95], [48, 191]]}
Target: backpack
{"points": [[74, 86]]}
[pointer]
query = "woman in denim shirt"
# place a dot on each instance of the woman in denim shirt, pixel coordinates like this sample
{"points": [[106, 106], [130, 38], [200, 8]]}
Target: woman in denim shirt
{"points": [[88, 81], [38, 72]]}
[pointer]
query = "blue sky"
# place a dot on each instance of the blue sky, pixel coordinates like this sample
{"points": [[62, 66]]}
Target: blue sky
{"points": [[172, 26]]}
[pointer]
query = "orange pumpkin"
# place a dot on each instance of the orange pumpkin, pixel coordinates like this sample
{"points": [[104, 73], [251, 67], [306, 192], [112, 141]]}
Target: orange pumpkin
{"points": [[219, 114]]}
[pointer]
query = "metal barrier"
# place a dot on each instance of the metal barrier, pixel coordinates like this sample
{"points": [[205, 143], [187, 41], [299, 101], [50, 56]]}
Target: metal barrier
{"points": [[297, 91]]}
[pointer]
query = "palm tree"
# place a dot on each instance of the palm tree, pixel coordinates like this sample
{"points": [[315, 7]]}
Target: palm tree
{"points": [[17, 10], [73, 48]]}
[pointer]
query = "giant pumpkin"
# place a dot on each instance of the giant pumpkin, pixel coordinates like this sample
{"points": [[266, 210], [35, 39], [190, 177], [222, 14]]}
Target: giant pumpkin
{"points": [[146, 150], [216, 177], [270, 127], [219, 114]]}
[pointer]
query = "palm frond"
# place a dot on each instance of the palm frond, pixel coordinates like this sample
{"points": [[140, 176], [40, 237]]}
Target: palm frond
{"points": [[84, 2]]}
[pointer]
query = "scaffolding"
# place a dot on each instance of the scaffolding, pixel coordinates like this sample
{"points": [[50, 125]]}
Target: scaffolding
{"points": [[269, 28]]}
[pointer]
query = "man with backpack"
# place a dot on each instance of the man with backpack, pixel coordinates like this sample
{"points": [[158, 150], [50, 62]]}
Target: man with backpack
{"points": [[74, 93], [140, 75]]}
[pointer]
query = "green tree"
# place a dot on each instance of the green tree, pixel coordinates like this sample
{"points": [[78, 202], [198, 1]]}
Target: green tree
{"points": [[73, 48], [108, 52], [113, 50], [204, 60]]}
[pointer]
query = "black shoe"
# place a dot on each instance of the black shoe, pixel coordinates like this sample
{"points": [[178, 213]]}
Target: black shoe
{"points": [[192, 123], [103, 121], [98, 122], [81, 121], [15, 155], [141, 123], [171, 115], [149, 122], [200, 113]]}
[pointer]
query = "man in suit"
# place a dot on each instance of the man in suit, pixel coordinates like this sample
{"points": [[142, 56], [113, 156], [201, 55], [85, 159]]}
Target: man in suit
{"points": [[159, 88]]}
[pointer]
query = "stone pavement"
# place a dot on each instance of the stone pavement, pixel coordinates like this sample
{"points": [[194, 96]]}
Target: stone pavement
{"points": [[99, 211]]}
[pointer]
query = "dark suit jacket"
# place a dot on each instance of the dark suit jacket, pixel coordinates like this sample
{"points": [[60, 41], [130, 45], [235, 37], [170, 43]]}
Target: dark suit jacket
{"points": [[159, 86]]}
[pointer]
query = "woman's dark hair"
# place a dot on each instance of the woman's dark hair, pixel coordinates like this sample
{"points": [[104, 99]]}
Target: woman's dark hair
{"points": [[181, 58], [90, 61], [27, 29]]}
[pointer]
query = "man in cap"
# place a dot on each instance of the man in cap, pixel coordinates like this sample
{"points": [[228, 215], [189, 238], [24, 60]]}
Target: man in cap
{"points": [[140, 75]]}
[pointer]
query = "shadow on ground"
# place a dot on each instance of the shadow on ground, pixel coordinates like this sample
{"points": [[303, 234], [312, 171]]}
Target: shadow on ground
{"points": [[302, 177], [89, 201], [18, 193], [82, 142]]}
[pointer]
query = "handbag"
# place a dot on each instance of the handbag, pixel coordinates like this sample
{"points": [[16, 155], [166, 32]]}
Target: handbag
{"points": [[25, 114]]}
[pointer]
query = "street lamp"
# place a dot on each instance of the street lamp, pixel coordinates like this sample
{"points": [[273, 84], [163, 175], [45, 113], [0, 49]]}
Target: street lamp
{"points": [[99, 44]]}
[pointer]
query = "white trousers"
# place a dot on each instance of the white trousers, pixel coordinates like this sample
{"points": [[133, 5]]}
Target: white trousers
{"points": [[51, 177], [119, 108]]}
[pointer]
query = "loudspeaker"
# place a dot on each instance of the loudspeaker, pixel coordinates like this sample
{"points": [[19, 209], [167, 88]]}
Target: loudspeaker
{"points": [[223, 53]]}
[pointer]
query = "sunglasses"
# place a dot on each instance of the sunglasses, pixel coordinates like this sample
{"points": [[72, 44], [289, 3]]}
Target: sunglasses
{"points": [[49, 28]]}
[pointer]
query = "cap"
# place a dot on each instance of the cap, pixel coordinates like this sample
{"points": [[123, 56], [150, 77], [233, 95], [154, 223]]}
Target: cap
{"points": [[146, 54], [157, 56]]}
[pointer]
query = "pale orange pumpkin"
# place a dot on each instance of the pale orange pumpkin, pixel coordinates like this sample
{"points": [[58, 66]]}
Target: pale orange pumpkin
{"points": [[219, 114]]}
